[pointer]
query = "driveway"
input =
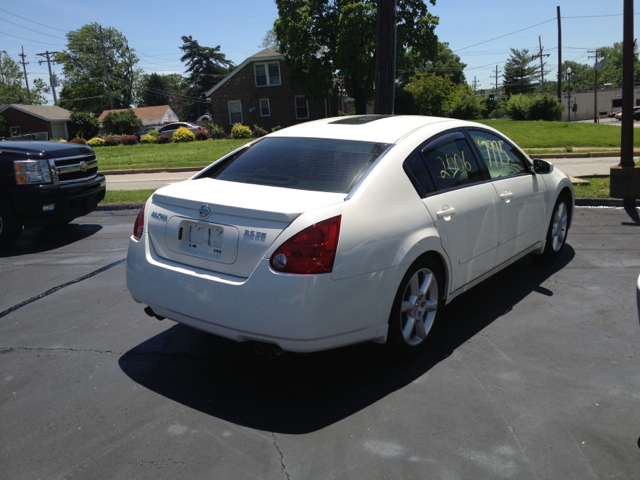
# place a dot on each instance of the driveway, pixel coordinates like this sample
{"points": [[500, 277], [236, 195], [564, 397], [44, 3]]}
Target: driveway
{"points": [[535, 375]]}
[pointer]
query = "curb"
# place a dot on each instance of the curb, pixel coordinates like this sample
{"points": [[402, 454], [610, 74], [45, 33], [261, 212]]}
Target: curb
{"points": [[580, 202], [153, 170]]}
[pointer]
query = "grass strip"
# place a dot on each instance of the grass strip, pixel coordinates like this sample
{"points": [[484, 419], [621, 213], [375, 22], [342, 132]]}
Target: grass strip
{"points": [[541, 134], [598, 188], [189, 154], [127, 196]]}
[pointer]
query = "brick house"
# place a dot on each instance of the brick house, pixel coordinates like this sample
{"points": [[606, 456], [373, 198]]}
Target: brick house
{"points": [[258, 92], [45, 120], [150, 116]]}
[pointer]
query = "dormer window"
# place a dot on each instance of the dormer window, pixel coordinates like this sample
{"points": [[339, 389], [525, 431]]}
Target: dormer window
{"points": [[267, 74]]}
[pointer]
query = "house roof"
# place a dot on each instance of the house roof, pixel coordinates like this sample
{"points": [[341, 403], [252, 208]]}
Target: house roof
{"points": [[45, 112], [143, 113], [264, 55]]}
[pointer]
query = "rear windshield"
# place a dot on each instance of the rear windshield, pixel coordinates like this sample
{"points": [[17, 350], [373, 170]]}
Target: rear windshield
{"points": [[317, 164]]}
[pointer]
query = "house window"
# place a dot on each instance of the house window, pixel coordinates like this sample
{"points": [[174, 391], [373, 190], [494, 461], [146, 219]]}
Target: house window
{"points": [[235, 111], [302, 107], [267, 74], [14, 131], [265, 109]]}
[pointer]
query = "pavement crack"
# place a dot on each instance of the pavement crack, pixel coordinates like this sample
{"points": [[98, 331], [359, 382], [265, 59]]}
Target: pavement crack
{"points": [[282, 466], [60, 349]]}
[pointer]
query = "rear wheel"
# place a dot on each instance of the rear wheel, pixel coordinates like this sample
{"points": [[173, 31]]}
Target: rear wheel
{"points": [[415, 309], [558, 228], [10, 227]]}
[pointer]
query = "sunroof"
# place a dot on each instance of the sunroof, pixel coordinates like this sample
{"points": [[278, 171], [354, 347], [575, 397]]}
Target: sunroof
{"points": [[359, 120]]}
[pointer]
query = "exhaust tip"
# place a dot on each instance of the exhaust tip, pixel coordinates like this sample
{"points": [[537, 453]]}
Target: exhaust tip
{"points": [[275, 352], [258, 348], [149, 311]]}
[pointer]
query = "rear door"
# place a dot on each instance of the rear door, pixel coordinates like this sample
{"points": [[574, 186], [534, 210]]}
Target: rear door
{"points": [[521, 193], [463, 206]]}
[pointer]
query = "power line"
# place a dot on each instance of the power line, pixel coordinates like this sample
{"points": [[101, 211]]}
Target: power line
{"points": [[505, 35], [22, 26], [24, 18], [29, 40]]}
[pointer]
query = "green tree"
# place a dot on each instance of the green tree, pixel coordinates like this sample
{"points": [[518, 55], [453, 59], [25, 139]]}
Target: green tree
{"points": [[325, 39], [11, 89], [519, 76], [435, 95], [122, 123], [84, 125], [206, 66], [270, 40], [446, 63], [612, 65], [468, 108], [84, 71]]}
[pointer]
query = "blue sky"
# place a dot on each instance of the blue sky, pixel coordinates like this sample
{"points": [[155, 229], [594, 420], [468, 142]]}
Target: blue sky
{"points": [[155, 29]]}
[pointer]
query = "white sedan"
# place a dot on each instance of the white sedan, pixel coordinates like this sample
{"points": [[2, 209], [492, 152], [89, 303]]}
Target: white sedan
{"points": [[344, 230]]}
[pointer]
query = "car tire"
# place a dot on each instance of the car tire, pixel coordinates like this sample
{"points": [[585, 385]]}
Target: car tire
{"points": [[416, 309], [10, 227], [558, 228]]}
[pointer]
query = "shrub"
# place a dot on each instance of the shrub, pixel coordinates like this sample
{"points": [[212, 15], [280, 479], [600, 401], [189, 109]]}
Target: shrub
{"points": [[125, 122], [83, 124], [240, 131], [96, 142], [129, 140], [216, 131], [111, 141], [467, 108], [518, 107], [80, 141], [148, 138], [202, 135], [183, 134], [164, 139], [259, 131], [546, 107], [275, 129], [154, 133]]}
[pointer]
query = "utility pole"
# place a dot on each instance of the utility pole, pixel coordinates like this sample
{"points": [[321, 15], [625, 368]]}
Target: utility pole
{"points": [[559, 56], [595, 86], [195, 86], [626, 145], [24, 66], [52, 81], [385, 79], [106, 71], [540, 55], [496, 94], [475, 84]]}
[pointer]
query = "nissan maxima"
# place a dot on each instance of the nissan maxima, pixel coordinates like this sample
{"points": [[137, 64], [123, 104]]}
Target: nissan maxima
{"points": [[344, 230]]}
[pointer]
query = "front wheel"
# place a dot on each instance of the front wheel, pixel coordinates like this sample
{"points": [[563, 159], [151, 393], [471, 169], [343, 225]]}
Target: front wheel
{"points": [[558, 229], [10, 227], [415, 309]]}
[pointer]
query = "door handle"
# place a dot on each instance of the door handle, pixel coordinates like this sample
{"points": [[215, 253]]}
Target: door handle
{"points": [[446, 212], [506, 196]]}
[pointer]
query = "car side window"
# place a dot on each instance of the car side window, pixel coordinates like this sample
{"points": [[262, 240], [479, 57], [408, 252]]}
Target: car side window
{"points": [[501, 158], [451, 163], [419, 174]]}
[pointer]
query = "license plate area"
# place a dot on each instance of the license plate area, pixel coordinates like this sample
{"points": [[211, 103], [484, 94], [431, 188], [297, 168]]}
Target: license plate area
{"points": [[202, 239]]}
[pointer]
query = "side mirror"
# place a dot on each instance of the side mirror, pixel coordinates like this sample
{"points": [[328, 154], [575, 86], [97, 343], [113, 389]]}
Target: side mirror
{"points": [[542, 166]]}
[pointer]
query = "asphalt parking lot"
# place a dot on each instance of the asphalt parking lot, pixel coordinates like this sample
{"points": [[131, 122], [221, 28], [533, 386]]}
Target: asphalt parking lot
{"points": [[535, 375]]}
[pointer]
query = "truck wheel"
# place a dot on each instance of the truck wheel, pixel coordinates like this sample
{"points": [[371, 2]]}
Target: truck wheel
{"points": [[10, 227]]}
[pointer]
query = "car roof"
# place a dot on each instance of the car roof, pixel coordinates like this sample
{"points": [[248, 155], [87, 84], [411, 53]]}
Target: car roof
{"points": [[370, 128]]}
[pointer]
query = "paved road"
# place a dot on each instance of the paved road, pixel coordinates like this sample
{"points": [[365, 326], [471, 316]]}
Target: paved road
{"points": [[535, 376], [571, 166]]}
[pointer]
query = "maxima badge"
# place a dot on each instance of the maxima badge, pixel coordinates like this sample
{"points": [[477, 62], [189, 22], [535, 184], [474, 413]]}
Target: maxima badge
{"points": [[204, 210]]}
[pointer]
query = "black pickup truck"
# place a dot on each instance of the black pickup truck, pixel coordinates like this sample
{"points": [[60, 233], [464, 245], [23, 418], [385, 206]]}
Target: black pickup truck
{"points": [[45, 183]]}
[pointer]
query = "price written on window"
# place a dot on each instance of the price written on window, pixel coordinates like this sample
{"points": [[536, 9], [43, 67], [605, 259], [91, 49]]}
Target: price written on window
{"points": [[453, 165], [497, 156]]}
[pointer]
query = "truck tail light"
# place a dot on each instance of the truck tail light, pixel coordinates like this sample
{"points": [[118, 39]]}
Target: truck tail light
{"points": [[138, 227], [312, 250]]}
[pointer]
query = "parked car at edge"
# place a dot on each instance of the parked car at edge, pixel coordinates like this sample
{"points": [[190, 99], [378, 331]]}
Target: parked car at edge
{"points": [[171, 128], [46, 183], [613, 114], [144, 132], [636, 114], [344, 230]]}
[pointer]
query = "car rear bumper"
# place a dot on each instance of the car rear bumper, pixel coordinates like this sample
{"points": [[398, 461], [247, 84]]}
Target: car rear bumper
{"points": [[69, 201], [300, 313]]}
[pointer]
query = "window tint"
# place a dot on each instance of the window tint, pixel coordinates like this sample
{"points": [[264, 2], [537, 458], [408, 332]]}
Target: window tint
{"points": [[451, 163], [502, 159], [323, 165], [418, 169]]}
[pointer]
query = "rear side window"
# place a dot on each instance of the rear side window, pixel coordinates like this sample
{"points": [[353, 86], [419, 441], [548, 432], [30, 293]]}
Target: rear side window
{"points": [[317, 164], [451, 162], [502, 159]]}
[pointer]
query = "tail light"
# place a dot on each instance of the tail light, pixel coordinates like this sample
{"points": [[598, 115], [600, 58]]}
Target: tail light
{"points": [[138, 227], [313, 250]]}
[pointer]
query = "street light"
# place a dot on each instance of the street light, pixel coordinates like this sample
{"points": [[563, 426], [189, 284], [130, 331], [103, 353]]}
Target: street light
{"points": [[569, 77]]}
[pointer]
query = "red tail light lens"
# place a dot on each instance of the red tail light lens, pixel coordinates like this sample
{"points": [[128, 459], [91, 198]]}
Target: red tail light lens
{"points": [[313, 250], [138, 227]]}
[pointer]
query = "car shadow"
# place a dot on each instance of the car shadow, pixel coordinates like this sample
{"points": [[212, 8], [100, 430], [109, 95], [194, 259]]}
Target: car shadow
{"points": [[44, 239], [302, 393]]}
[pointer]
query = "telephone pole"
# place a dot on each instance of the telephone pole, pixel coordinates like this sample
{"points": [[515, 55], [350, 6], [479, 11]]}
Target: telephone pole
{"points": [[475, 84], [496, 95], [24, 66], [559, 55], [106, 71], [385, 73], [52, 81], [540, 55], [595, 86]]}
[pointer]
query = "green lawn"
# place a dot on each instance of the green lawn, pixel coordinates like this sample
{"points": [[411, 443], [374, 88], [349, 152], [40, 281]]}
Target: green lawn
{"points": [[560, 134], [597, 188], [190, 154], [127, 196]]}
